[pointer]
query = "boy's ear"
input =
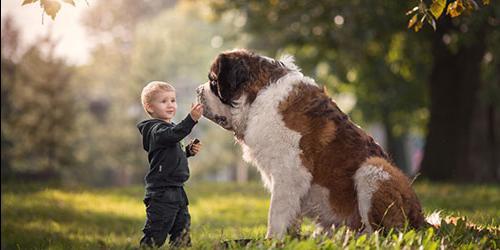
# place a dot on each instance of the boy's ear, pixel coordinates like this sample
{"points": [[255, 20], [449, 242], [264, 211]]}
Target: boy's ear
{"points": [[147, 106]]}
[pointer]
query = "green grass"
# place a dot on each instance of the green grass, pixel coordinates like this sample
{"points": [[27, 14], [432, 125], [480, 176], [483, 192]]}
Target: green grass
{"points": [[38, 216]]}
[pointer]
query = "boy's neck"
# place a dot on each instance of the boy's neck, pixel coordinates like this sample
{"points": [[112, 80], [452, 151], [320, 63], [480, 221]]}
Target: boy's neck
{"points": [[165, 120]]}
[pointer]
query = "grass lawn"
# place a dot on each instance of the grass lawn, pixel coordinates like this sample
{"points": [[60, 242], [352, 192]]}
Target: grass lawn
{"points": [[38, 216]]}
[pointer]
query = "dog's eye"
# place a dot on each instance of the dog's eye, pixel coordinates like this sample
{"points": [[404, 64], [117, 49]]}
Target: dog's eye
{"points": [[214, 87]]}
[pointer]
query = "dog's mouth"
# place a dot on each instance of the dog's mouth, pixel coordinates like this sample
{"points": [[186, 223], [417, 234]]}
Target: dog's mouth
{"points": [[221, 120]]}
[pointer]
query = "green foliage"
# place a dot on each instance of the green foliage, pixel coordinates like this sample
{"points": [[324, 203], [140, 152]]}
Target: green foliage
{"points": [[45, 216]]}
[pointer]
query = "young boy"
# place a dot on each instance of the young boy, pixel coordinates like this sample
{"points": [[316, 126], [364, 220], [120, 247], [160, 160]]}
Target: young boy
{"points": [[166, 202]]}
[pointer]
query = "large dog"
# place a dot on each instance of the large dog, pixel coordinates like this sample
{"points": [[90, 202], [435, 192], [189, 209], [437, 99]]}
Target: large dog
{"points": [[313, 159]]}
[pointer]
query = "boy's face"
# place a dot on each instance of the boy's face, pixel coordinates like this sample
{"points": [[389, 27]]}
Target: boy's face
{"points": [[163, 106]]}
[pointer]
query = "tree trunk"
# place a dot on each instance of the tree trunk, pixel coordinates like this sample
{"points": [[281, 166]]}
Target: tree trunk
{"points": [[396, 146], [458, 146]]}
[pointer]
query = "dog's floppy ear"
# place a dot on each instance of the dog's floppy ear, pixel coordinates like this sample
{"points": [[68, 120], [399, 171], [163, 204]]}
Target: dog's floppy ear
{"points": [[233, 74]]}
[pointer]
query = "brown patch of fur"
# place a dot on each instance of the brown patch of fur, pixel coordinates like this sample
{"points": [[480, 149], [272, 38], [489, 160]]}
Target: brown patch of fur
{"points": [[303, 115], [394, 201], [332, 146], [266, 72]]}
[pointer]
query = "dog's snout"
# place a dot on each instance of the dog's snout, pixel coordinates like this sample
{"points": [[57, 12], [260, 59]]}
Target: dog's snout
{"points": [[199, 90]]}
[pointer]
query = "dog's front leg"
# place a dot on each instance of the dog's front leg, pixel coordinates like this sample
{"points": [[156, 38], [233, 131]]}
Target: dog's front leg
{"points": [[285, 204], [283, 210], [294, 229]]}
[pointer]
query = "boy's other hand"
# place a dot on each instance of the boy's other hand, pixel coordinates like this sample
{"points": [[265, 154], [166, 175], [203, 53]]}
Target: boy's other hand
{"points": [[195, 147], [196, 111]]}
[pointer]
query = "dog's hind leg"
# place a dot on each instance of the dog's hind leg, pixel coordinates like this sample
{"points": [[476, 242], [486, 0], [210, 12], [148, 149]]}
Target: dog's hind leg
{"points": [[367, 179], [385, 197]]}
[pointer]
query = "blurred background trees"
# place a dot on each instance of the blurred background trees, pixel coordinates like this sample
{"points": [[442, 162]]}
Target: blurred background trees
{"points": [[76, 123], [38, 108]]}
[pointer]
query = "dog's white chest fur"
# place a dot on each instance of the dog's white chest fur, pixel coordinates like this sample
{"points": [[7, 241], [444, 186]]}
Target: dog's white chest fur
{"points": [[269, 144]]}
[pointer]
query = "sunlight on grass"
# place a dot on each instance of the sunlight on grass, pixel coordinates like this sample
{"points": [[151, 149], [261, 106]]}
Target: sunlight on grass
{"points": [[86, 202], [37, 217]]}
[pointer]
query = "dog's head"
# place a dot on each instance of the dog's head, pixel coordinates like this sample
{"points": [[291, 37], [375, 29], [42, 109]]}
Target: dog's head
{"points": [[235, 79]]}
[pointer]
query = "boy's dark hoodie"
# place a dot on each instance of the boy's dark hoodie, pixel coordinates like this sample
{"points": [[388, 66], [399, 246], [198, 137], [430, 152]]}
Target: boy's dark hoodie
{"points": [[168, 164]]}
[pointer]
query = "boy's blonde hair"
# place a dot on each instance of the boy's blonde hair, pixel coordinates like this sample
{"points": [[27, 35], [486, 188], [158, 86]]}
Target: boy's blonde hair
{"points": [[149, 91]]}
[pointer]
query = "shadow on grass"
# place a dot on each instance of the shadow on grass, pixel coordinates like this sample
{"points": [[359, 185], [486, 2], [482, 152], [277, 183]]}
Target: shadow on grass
{"points": [[33, 220], [64, 226], [16, 238]]}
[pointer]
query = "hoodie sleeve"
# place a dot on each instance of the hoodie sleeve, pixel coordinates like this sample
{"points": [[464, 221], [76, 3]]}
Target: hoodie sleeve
{"points": [[174, 134]]}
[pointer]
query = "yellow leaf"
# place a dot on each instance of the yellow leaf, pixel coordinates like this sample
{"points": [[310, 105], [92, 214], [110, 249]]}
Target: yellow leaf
{"points": [[51, 7], [28, 2], [70, 2], [412, 21], [419, 24], [455, 9], [486, 2], [437, 8]]}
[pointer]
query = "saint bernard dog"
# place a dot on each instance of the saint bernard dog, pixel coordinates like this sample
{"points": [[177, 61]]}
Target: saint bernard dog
{"points": [[314, 160]]}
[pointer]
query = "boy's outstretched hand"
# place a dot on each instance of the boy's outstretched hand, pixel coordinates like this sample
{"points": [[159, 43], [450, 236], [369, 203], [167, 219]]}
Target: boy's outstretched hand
{"points": [[196, 111]]}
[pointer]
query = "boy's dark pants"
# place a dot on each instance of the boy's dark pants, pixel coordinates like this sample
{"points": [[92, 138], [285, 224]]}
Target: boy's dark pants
{"points": [[166, 214]]}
